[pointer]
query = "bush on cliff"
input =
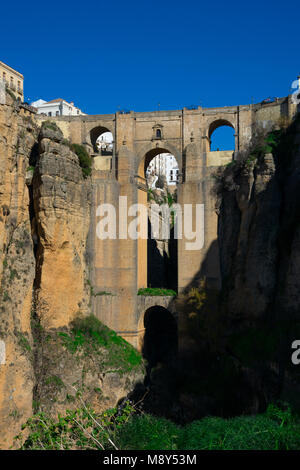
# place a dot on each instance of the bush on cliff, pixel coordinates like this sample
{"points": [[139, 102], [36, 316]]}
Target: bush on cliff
{"points": [[85, 160]]}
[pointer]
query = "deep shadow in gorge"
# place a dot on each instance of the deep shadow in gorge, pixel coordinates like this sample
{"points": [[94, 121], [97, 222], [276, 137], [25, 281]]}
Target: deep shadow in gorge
{"points": [[206, 377], [236, 343], [162, 266], [160, 345]]}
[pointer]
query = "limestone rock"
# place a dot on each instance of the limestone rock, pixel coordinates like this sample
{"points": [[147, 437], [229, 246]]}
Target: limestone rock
{"points": [[62, 208], [17, 272]]}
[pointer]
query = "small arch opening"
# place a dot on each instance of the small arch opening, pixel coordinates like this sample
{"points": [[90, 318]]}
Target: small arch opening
{"points": [[102, 141], [221, 136]]}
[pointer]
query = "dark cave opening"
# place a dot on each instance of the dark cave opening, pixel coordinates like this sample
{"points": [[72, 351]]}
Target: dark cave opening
{"points": [[161, 337]]}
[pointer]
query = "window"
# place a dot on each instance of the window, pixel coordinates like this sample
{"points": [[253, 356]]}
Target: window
{"points": [[4, 76], [158, 133], [49, 114], [57, 113]]}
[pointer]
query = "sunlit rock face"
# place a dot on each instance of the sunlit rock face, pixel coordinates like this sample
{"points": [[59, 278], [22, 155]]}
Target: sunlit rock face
{"points": [[62, 209], [17, 272]]}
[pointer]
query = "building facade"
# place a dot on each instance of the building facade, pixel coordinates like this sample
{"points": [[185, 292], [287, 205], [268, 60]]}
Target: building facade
{"points": [[164, 164], [57, 107], [13, 80]]}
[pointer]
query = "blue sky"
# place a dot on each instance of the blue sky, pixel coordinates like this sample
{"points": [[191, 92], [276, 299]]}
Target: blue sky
{"points": [[106, 56]]}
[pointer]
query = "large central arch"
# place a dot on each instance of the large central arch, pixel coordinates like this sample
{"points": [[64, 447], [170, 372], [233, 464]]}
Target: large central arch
{"points": [[150, 150], [143, 245]]}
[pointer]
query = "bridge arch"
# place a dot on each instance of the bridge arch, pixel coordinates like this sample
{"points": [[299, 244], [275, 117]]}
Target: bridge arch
{"points": [[96, 130], [150, 150], [95, 133], [147, 249]]}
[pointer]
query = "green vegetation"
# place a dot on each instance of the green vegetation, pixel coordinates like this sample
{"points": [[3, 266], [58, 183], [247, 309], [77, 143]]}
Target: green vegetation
{"points": [[78, 429], [165, 197], [156, 291], [54, 379], [95, 294], [89, 337], [6, 297], [30, 168], [276, 429], [279, 141], [85, 160], [23, 342], [50, 125], [13, 274]]}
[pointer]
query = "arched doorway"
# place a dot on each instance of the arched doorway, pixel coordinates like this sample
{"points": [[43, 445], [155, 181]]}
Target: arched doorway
{"points": [[157, 256], [160, 342]]}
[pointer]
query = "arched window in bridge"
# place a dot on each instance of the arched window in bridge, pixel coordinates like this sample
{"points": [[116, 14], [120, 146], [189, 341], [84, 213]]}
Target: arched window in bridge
{"points": [[158, 133], [222, 138]]}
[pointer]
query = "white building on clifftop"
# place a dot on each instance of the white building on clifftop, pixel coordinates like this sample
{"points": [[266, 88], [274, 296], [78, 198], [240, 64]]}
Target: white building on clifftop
{"points": [[58, 107]]}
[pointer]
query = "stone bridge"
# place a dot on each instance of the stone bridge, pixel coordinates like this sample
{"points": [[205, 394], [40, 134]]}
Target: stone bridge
{"points": [[119, 266]]}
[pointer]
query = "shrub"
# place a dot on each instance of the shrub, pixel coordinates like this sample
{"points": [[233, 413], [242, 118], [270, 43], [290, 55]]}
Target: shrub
{"points": [[50, 125], [78, 429], [156, 291], [274, 430], [85, 160], [122, 429], [147, 432]]}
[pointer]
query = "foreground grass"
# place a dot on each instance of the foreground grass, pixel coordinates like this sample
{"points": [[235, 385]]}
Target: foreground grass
{"points": [[276, 429]]}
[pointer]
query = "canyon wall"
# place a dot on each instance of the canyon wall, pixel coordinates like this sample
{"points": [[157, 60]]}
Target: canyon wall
{"points": [[44, 270], [17, 272], [259, 240]]}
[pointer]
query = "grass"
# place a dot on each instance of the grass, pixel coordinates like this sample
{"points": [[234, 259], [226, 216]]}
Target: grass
{"points": [[156, 291], [276, 429], [89, 336]]}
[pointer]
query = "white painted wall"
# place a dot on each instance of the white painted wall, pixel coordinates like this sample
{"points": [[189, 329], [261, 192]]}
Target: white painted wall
{"points": [[58, 108]]}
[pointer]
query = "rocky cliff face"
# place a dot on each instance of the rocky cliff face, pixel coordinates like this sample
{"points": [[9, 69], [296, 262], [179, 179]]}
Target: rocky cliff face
{"points": [[44, 223], [17, 271], [259, 239], [61, 220]]}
